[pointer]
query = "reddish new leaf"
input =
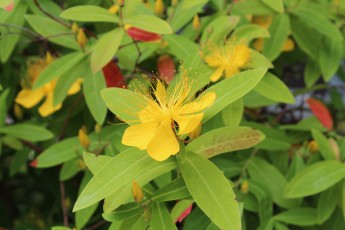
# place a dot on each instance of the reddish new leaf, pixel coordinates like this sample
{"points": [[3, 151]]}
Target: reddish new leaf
{"points": [[185, 213], [166, 68], [321, 112], [9, 7], [142, 35], [113, 75], [33, 163]]}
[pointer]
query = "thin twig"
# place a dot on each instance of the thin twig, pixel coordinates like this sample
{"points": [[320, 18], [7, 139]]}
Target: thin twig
{"points": [[32, 146], [139, 56], [97, 225], [63, 204], [50, 15]]}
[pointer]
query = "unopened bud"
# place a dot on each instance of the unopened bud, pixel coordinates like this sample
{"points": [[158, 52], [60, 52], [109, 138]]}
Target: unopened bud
{"points": [[83, 138], [81, 38], [98, 129], [166, 68], [245, 187], [81, 164], [137, 192], [114, 9], [313, 146], [75, 27], [159, 7], [49, 57], [18, 112], [335, 148], [196, 22]]}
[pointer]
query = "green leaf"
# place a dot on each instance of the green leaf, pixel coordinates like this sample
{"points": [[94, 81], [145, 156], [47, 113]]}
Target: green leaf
{"points": [[57, 68], [253, 7], [70, 169], [53, 31], [277, 5], [181, 47], [325, 147], [67, 79], [58, 153], [317, 20], [19, 160], [219, 28], [27, 132], [231, 89], [175, 190], [315, 178], [193, 3], [105, 49], [233, 113], [273, 88], [119, 172], [3, 107], [95, 162], [312, 73], [258, 60], [226, 139], [326, 204], [183, 16], [92, 86], [330, 56], [124, 212], [306, 124], [12, 142], [149, 23], [89, 14], [250, 32], [179, 208], [123, 103], [161, 218], [279, 31], [298, 216], [210, 190], [8, 42], [269, 176]]}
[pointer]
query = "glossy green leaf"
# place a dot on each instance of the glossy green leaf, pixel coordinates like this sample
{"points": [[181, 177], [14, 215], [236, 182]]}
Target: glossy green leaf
{"points": [[324, 145], [27, 132], [279, 31], [161, 218], [250, 32], [266, 174], [219, 28], [59, 67], [124, 212], [277, 5], [19, 160], [58, 153], [53, 31], [119, 172], [89, 14], [330, 56], [149, 23], [105, 49], [210, 190], [273, 88], [95, 162], [92, 86], [226, 139], [326, 204], [123, 103], [232, 114], [181, 47], [258, 60], [231, 89], [298, 216], [16, 18], [175, 190], [315, 178], [182, 16]]}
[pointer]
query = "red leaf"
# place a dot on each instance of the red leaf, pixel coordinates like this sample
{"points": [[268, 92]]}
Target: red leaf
{"points": [[142, 35], [185, 213], [321, 112], [113, 75], [9, 7], [166, 67], [33, 163]]}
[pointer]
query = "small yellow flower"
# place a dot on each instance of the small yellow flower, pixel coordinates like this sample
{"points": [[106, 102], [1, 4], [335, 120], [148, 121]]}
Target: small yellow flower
{"points": [[196, 22], [159, 7], [137, 192], [167, 113], [228, 59], [81, 38], [83, 138], [29, 97]]}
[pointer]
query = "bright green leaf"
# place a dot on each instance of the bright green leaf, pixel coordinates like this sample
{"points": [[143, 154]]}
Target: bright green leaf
{"points": [[89, 14], [27, 132], [149, 23], [161, 218], [325, 147], [298, 216]]}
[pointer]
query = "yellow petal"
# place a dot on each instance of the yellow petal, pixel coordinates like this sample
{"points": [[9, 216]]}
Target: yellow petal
{"points": [[217, 74], [231, 70], [241, 55], [164, 143], [289, 45], [139, 135], [198, 105], [214, 59], [29, 98], [47, 107], [188, 123], [150, 113], [75, 88], [160, 93]]}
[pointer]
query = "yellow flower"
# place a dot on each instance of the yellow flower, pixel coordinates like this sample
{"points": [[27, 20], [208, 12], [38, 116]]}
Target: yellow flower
{"points": [[196, 22], [29, 97], [167, 113], [228, 59]]}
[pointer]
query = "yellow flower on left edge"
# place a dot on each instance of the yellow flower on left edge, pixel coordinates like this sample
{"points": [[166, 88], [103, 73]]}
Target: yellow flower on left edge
{"points": [[227, 59], [166, 114], [29, 97]]}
